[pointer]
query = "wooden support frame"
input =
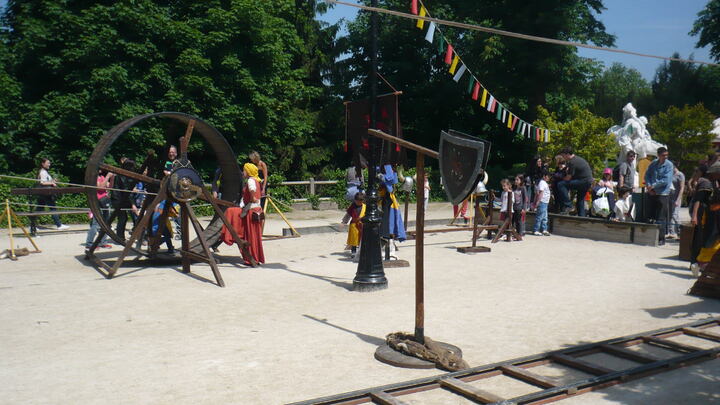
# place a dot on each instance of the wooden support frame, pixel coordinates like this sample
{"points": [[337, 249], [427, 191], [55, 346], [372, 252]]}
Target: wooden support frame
{"points": [[9, 215]]}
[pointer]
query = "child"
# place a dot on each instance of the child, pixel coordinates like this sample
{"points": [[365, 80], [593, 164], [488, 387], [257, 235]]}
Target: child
{"points": [[426, 194], [506, 206], [355, 213], [624, 206], [542, 199], [520, 204]]}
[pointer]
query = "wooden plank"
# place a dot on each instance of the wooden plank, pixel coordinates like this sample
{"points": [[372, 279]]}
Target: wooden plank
{"points": [[47, 190], [383, 398], [409, 145], [580, 364], [528, 376], [470, 391], [628, 354], [678, 347], [702, 333], [130, 174]]}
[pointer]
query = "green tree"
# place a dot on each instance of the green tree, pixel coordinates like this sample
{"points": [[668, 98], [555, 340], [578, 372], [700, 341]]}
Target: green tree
{"points": [[521, 74], [585, 132], [707, 28], [686, 132], [617, 86], [249, 68]]}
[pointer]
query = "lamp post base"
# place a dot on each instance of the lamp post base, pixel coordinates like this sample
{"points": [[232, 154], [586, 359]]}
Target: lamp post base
{"points": [[388, 355]]}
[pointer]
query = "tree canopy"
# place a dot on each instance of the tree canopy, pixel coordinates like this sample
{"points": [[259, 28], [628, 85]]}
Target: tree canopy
{"points": [[252, 69], [707, 28]]}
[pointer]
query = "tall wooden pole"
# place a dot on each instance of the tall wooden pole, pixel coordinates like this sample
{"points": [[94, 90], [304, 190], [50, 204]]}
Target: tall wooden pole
{"points": [[420, 250]]}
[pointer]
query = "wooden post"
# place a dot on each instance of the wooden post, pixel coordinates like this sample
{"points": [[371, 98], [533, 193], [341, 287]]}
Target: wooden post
{"points": [[420, 250], [312, 186], [9, 221], [185, 235]]}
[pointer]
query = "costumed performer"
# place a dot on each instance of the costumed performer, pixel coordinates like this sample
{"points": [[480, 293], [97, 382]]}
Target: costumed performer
{"points": [[706, 219], [392, 226], [252, 213], [354, 214], [166, 227]]}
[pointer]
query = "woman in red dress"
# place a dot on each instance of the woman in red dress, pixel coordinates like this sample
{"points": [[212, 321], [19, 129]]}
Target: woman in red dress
{"points": [[252, 212]]}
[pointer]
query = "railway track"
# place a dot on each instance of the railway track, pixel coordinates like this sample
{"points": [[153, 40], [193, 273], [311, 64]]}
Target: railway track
{"points": [[641, 351]]}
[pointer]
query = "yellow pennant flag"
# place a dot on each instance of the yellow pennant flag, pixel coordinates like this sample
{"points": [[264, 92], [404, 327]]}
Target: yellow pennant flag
{"points": [[483, 101], [510, 120], [455, 61], [421, 23]]}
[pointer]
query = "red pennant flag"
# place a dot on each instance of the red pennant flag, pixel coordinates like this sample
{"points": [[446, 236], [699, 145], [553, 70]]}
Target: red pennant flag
{"points": [[537, 134], [449, 55], [413, 7], [476, 91], [514, 123]]}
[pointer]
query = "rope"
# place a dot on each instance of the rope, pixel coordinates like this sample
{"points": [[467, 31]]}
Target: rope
{"points": [[514, 34], [60, 208], [75, 185]]}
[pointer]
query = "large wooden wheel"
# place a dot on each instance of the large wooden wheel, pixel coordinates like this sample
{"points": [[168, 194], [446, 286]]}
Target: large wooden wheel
{"points": [[183, 186]]}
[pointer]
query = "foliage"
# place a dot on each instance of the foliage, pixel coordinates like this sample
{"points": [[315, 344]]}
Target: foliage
{"points": [[520, 73], [585, 132], [707, 28], [252, 69], [617, 86], [686, 131], [679, 84]]}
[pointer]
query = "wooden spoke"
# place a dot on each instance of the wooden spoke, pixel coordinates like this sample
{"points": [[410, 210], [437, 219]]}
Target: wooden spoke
{"points": [[140, 227], [185, 140], [185, 229], [243, 245], [204, 244], [130, 174]]}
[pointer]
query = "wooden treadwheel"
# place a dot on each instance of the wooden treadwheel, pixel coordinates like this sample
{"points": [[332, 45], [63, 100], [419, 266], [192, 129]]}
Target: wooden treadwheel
{"points": [[182, 186]]}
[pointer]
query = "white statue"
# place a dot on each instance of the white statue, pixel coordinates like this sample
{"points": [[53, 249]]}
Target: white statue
{"points": [[632, 135], [716, 130]]}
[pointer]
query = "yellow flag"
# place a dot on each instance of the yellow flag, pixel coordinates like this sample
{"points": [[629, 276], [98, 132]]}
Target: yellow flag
{"points": [[454, 64], [510, 120], [483, 101], [421, 23]]}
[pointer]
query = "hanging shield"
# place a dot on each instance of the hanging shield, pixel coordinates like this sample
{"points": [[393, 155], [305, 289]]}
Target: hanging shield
{"points": [[462, 160]]}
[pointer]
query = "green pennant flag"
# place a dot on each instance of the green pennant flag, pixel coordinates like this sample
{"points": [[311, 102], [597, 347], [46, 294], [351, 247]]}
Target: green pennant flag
{"points": [[499, 112], [519, 125], [471, 84], [441, 44]]}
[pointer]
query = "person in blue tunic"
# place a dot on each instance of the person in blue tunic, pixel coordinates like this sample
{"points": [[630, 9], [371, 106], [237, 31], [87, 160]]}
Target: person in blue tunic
{"points": [[392, 226]]}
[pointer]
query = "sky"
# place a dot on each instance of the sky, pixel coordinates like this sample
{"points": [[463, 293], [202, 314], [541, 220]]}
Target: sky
{"points": [[656, 27]]}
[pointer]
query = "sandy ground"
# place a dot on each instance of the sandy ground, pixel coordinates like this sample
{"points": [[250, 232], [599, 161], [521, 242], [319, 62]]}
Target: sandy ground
{"points": [[293, 330]]}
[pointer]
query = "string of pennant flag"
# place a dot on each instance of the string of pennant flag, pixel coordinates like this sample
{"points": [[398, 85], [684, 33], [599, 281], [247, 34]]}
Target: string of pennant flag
{"points": [[458, 69]]}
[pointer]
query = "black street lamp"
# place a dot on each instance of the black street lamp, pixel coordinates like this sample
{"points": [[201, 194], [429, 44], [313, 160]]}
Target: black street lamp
{"points": [[370, 274]]}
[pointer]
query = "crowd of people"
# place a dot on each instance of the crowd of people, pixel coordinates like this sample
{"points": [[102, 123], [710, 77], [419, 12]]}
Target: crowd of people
{"points": [[568, 188]]}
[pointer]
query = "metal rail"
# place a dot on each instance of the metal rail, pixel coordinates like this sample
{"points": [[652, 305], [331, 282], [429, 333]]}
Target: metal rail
{"points": [[458, 383]]}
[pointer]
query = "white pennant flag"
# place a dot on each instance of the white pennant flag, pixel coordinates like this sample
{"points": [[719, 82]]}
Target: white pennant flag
{"points": [[504, 115], [490, 102], [459, 73], [522, 129], [547, 135], [430, 36]]}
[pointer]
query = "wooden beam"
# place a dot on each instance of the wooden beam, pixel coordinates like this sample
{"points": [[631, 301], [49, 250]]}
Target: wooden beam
{"points": [[580, 364], [399, 141], [130, 174], [383, 398], [470, 391], [528, 376], [620, 351], [702, 333], [678, 347]]}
